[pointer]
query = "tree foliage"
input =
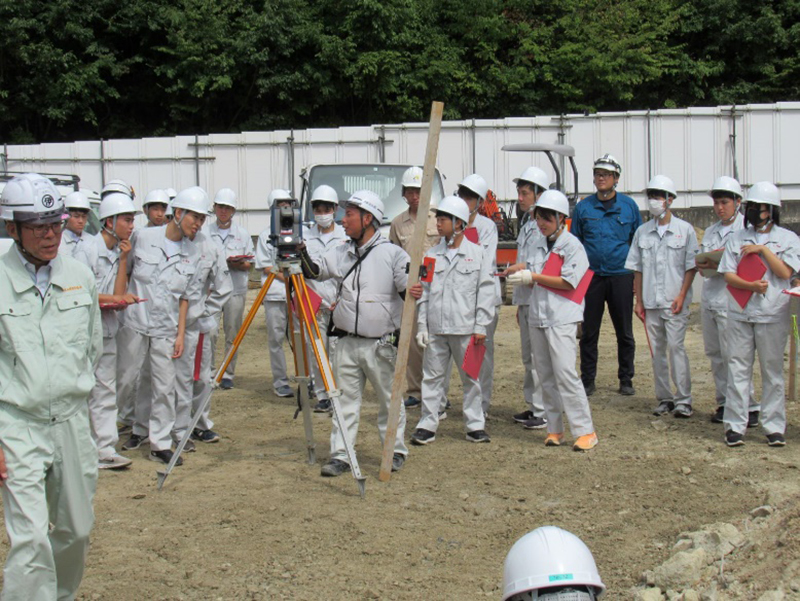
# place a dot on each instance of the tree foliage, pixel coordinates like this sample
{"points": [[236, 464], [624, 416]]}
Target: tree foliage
{"points": [[101, 68]]}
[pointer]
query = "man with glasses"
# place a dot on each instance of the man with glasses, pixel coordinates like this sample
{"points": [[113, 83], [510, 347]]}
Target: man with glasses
{"points": [[50, 343], [605, 223]]}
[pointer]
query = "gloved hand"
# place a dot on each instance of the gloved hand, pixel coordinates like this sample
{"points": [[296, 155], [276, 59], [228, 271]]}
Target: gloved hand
{"points": [[521, 278], [422, 339]]}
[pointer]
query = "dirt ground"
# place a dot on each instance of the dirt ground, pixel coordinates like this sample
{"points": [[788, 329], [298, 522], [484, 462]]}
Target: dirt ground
{"points": [[248, 518]]}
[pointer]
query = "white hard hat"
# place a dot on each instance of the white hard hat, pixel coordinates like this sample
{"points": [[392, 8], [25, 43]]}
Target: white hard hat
{"points": [[548, 557], [477, 184], [117, 185], [455, 206], [77, 200], [534, 175], [31, 197], [225, 196], [609, 163], [192, 199], [662, 183], [157, 196], [116, 203], [553, 200], [278, 194], [726, 184], [366, 200], [171, 193], [412, 178], [324, 193], [764, 192]]}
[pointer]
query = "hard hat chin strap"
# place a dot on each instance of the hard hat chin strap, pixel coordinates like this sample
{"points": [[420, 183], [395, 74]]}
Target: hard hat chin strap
{"points": [[452, 240], [113, 231]]}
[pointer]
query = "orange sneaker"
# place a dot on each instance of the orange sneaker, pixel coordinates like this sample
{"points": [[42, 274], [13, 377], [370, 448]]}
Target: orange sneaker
{"points": [[586, 442], [554, 439]]}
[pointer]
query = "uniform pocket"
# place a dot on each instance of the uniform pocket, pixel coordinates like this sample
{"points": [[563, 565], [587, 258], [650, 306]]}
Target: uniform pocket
{"points": [[145, 267], [17, 331], [73, 323]]}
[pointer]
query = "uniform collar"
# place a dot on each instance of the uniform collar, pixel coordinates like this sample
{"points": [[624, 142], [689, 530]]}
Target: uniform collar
{"points": [[374, 241], [22, 279], [598, 204]]}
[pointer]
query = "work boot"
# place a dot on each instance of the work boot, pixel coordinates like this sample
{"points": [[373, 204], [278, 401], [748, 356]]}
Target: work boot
{"points": [[718, 415], [334, 468], [134, 442], [589, 388], [752, 419], [663, 408], [226, 384], [164, 457], [626, 388], [398, 459], [683, 411]]}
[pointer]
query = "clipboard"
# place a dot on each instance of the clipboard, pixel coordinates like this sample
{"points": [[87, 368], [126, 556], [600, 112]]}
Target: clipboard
{"points": [[316, 302], [712, 255], [751, 269], [471, 234], [792, 291], [553, 268], [473, 358], [428, 263], [118, 306], [240, 257]]}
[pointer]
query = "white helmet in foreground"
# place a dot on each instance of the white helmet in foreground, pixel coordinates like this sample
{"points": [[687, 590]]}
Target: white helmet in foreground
{"points": [[116, 203], [453, 206], [662, 183], [225, 196], [551, 564], [533, 175], [117, 185], [278, 194], [477, 184], [412, 178], [726, 184], [366, 200], [31, 197], [192, 199], [324, 193], [77, 200], [553, 200], [764, 192]]}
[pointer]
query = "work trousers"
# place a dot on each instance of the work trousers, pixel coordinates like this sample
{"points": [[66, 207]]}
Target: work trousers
{"points": [[356, 361], [414, 367], [103, 401], [562, 390], [47, 504], [323, 320], [155, 413], [531, 385], [277, 320], [667, 333], [617, 291], [486, 377], [744, 339], [190, 393], [232, 317], [442, 348]]}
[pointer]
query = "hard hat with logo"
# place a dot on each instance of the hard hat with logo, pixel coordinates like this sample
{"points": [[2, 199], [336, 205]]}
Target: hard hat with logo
{"points": [[324, 193], [412, 178], [663, 184], [225, 196], [77, 200], [609, 163], [366, 200], [726, 184], [553, 200], [453, 206], [31, 197], [116, 203], [533, 175], [157, 196], [764, 192], [550, 557], [117, 185], [192, 199], [278, 194], [475, 183]]}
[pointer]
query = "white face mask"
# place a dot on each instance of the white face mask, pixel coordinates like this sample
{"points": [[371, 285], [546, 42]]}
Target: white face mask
{"points": [[324, 221], [657, 207]]}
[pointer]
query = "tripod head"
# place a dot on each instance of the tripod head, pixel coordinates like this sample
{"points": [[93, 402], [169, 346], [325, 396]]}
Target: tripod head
{"points": [[286, 232]]}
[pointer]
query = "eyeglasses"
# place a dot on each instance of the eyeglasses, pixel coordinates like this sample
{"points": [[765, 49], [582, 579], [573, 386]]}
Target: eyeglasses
{"points": [[40, 231], [79, 214], [603, 174]]}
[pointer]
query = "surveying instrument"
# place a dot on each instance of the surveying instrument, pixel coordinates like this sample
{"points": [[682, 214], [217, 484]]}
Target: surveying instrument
{"points": [[286, 236]]}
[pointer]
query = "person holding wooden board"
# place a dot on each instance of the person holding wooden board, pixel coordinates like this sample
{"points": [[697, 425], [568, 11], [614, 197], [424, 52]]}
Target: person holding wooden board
{"points": [[757, 264]]}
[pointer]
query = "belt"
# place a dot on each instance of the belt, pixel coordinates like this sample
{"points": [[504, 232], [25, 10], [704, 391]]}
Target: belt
{"points": [[339, 333]]}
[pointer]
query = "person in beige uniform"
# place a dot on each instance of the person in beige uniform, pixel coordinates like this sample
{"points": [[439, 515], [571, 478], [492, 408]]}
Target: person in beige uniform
{"points": [[400, 233]]}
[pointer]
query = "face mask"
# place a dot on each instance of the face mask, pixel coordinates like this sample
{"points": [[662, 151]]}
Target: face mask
{"points": [[324, 221], [754, 216], [657, 207]]}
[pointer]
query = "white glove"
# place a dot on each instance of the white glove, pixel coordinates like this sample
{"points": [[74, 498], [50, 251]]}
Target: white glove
{"points": [[521, 278], [422, 340]]}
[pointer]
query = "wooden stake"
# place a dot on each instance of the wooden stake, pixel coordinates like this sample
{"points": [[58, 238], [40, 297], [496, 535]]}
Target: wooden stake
{"points": [[793, 351], [410, 305]]}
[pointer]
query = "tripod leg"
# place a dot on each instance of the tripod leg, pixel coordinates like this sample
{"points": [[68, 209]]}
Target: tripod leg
{"points": [[301, 371]]}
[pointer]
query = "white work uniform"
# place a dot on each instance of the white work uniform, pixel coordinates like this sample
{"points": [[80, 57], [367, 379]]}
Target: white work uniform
{"points": [[215, 287], [50, 342], [529, 234], [663, 263], [369, 309], [317, 244], [149, 329], [763, 326], [80, 247], [234, 241], [275, 310], [714, 311], [553, 322], [456, 304]]}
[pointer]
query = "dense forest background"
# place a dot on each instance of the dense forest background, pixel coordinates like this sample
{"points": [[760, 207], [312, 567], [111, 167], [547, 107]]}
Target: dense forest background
{"points": [[87, 69]]}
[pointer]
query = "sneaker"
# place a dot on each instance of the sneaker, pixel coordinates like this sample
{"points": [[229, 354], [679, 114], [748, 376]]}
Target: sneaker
{"points": [[776, 440], [442, 415], [323, 406], [683, 411], [626, 388], [535, 423], [335, 467], [188, 447], [164, 457], [478, 436], [412, 401], [422, 436], [663, 407], [718, 415], [134, 442], [554, 439], [226, 384], [113, 462], [205, 435], [398, 459], [586, 442], [124, 429], [733, 439], [752, 419], [521, 418], [589, 387], [284, 391]]}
